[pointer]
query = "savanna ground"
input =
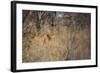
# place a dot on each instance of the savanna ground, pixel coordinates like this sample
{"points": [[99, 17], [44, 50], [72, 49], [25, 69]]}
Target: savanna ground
{"points": [[55, 36]]}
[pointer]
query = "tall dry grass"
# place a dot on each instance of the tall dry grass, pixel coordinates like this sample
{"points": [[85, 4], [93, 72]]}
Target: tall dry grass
{"points": [[57, 43]]}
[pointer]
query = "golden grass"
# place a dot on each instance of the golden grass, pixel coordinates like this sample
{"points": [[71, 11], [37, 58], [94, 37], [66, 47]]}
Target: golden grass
{"points": [[57, 43]]}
